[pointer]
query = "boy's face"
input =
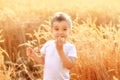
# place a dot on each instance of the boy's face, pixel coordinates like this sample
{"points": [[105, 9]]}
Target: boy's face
{"points": [[60, 29]]}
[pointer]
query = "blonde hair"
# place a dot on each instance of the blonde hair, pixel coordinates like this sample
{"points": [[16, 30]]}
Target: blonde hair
{"points": [[61, 16]]}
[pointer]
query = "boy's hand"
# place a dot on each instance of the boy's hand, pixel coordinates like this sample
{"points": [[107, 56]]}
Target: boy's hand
{"points": [[59, 43], [30, 52]]}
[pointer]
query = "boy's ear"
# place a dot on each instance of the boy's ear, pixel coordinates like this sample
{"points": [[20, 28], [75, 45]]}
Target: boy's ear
{"points": [[51, 30], [70, 32]]}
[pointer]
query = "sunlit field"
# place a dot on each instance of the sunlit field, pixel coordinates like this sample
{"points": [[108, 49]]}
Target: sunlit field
{"points": [[95, 33]]}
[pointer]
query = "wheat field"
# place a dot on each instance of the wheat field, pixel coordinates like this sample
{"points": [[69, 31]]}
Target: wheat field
{"points": [[95, 33]]}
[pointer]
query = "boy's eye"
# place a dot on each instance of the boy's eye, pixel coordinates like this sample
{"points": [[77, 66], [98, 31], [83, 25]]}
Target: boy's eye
{"points": [[64, 29], [56, 29]]}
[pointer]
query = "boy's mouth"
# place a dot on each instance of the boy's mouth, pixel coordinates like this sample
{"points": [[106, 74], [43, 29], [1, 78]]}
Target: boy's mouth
{"points": [[62, 38]]}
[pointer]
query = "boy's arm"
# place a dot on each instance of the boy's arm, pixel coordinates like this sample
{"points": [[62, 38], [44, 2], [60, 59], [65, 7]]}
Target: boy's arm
{"points": [[31, 53], [68, 62], [39, 59]]}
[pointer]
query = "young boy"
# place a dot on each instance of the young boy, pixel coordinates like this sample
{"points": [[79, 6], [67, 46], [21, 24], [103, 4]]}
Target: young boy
{"points": [[57, 55]]}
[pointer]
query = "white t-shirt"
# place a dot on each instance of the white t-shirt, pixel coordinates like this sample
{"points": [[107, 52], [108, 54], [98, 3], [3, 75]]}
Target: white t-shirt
{"points": [[53, 68]]}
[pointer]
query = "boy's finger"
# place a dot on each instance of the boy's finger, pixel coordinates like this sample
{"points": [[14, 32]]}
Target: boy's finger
{"points": [[63, 39], [29, 51]]}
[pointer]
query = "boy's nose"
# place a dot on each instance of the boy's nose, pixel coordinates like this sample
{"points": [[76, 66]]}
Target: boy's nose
{"points": [[60, 32]]}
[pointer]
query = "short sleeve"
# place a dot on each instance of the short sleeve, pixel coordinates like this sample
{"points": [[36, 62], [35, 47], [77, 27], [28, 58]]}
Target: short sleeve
{"points": [[72, 52], [43, 49]]}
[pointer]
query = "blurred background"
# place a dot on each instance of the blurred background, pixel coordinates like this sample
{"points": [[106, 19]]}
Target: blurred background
{"points": [[96, 35]]}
